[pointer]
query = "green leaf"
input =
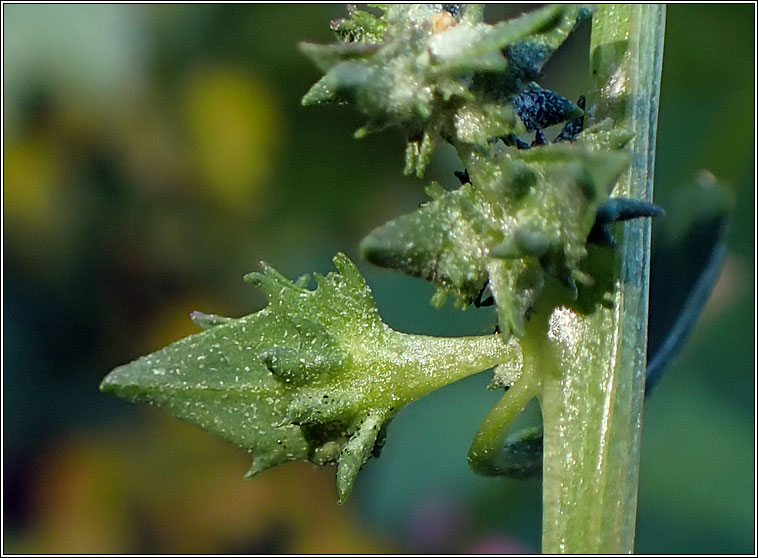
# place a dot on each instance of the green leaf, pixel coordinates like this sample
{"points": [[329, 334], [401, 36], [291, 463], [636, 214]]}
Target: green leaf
{"points": [[314, 376], [524, 216]]}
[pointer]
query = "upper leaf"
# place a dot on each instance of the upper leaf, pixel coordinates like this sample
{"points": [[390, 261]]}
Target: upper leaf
{"points": [[524, 215]]}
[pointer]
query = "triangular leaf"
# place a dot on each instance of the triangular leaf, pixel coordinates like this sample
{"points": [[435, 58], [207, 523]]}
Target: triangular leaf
{"points": [[316, 375]]}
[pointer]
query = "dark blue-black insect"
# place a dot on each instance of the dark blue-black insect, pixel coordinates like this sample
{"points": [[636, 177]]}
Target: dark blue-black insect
{"points": [[541, 108], [454, 10]]}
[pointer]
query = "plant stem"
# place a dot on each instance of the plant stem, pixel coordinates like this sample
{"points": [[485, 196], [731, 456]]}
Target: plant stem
{"points": [[594, 365]]}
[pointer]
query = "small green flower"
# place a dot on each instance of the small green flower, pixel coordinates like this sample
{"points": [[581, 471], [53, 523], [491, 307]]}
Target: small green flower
{"points": [[436, 76]]}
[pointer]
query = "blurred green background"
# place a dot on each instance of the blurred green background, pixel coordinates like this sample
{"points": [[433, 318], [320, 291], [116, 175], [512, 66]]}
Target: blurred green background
{"points": [[153, 154]]}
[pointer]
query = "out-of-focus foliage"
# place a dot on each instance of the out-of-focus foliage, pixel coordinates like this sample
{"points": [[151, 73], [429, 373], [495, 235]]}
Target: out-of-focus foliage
{"points": [[153, 154]]}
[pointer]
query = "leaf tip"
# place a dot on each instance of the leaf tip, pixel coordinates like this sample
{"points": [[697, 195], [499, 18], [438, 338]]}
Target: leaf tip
{"points": [[254, 277], [107, 385]]}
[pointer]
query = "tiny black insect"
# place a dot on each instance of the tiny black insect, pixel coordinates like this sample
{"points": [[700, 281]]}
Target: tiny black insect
{"points": [[541, 108], [454, 10]]}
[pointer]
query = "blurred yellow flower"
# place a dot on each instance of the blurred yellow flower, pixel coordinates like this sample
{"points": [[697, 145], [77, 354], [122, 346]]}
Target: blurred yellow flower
{"points": [[30, 179], [234, 131]]}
